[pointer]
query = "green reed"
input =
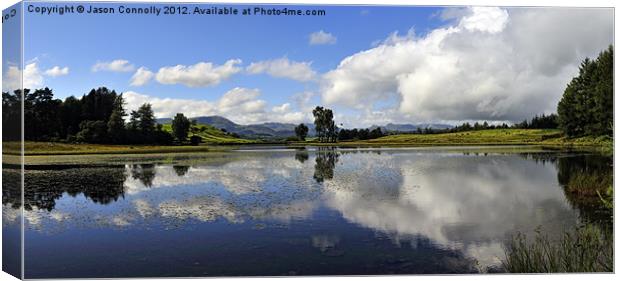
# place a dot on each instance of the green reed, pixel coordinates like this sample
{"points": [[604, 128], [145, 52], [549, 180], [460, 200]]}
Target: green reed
{"points": [[587, 249]]}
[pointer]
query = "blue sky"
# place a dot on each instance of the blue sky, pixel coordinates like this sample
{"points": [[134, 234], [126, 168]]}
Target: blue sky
{"points": [[156, 42], [373, 87]]}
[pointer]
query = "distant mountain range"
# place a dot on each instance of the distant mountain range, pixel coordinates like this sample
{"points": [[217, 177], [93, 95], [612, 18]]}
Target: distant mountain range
{"points": [[283, 130]]}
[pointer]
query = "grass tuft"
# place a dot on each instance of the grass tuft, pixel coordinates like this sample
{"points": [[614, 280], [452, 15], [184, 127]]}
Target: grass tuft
{"points": [[587, 249]]}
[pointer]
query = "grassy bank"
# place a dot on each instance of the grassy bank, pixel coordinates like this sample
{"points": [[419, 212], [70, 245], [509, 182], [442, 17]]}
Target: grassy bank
{"points": [[216, 138], [551, 137], [482, 137], [213, 139], [54, 148]]}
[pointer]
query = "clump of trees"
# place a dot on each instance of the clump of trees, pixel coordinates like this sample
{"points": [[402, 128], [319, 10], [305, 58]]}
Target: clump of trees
{"points": [[360, 134], [301, 131], [586, 108], [539, 122], [97, 117], [326, 129]]}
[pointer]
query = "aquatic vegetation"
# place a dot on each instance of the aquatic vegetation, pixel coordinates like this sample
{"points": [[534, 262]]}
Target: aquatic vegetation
{"points": [[589, 184], [608, 197], [587, 249]]}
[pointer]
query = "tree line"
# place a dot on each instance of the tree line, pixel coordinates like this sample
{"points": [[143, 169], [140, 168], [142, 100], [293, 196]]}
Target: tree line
{"points": [[96, 117], [327, 131], [586, 107]]}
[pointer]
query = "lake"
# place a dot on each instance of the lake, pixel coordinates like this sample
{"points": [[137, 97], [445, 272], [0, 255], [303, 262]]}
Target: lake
{"points": [[304, 211]]}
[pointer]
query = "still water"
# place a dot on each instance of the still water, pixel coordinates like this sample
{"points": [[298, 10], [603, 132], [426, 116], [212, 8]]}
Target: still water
{"points": [[307, 211]]}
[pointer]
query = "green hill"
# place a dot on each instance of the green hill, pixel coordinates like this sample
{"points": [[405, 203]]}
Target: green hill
{"points": [[496, 136], [212, 135]]}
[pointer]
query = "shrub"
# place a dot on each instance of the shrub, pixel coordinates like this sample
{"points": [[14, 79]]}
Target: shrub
{"points": [[195, 140]]}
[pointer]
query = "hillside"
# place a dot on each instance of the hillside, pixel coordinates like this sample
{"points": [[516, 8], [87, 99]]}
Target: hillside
{"points": [[212, 135], [269, 130], [496, 136]]}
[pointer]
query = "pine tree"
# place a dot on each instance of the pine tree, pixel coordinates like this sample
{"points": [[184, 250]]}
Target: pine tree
{"points": [[586, 107], [146, 125], [116, 124]]}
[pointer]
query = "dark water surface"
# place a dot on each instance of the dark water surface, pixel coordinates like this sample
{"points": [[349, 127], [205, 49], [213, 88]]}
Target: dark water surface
{"points": [[294, 211]]}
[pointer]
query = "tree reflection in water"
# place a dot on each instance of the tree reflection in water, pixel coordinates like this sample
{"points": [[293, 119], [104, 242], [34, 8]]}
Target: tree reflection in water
{"points": [[326, 159], [145, 173], [102, 185], [181, 170], [301, 155], [580, 177]]}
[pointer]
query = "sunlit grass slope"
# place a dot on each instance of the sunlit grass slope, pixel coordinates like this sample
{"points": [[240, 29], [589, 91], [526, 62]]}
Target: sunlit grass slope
{"points": [[497, 136], [212, 135]]}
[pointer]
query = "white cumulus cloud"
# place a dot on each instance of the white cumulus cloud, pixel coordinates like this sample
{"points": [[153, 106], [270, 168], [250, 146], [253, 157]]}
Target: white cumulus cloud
{"points": [[241, 105], [32, 75], [487, 19], [119, 65], [11, 78], [142, 76], [284, 68], [202, 74], [487, 64], [322, 38], [57, 71]]}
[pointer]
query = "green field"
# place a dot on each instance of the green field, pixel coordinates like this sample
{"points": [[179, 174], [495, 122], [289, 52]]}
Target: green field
{"points": [[482, 137], [55, 148], [215, 139], [212, 135], [544, 137], [492, 137]]}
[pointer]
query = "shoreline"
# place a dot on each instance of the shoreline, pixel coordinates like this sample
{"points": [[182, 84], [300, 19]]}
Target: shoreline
{"points": [[152, 150], [499, 137]]}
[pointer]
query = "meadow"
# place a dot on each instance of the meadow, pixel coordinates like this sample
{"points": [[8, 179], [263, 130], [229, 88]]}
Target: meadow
{"points": [[214, 139]]}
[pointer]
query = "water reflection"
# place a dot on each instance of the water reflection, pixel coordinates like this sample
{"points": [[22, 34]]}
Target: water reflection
{"points": [[301, 155], [326, 159], [101, 185], [181, 170], [436, 203], [145, 173]]}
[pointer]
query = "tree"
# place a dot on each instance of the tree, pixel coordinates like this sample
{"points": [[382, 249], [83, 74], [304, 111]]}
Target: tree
{"points": [[195, 140], [324, 124], [143, 128], [375, 133], [11, 115], [41, 114], [116, 122], [180, 127], [586, 107], [92, 131], [146, 125], [70, 117], [134, 120], [98, 104], [319, 126], [301, 131]]}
